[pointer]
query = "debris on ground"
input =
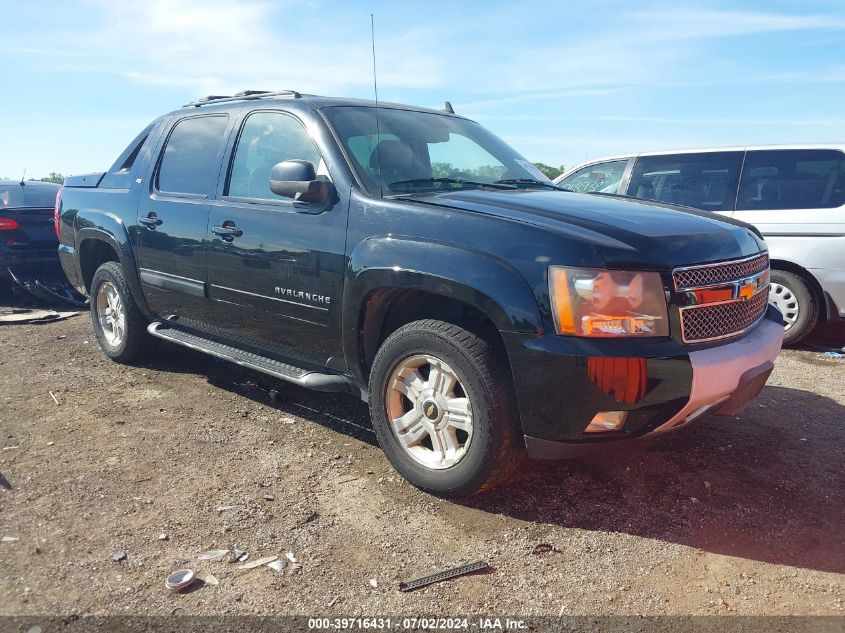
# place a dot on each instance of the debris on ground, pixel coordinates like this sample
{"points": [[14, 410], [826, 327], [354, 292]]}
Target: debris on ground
{"points": [[119, 556], [269, 498], [440, 576], [239, 555], [213, 554], [53, 396], [312, 516], [211, 579], [278, 565], [544, 548], [9, 539], [224, 508], [18, 316], [179, 580], [258, 563], [291, 557], [49, 286], [163, 537], [373, 583]]}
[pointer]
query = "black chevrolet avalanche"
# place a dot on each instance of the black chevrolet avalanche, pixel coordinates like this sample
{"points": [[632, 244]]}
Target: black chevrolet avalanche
{"points": [[410, 257]]}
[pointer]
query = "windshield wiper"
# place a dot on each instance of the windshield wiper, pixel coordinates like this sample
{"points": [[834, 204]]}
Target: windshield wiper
{"points": [[532, 181], [452, 181]]}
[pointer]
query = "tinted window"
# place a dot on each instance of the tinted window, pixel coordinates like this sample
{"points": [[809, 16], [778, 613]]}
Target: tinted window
{"points": [[189, 162], [704, 181], [267, 138], [792, 179], [119, 175], [125, 161], [603, 177]]}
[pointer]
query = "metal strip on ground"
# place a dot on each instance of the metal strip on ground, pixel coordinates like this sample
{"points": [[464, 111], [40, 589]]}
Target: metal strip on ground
{"points": [[440, 576]]}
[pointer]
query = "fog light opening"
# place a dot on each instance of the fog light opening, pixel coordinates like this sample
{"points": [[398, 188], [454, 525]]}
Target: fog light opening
{"points": [[606, 421]]}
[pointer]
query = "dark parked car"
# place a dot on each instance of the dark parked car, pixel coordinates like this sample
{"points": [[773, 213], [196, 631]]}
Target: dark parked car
{"points": [[411, 258], [27, 232]]}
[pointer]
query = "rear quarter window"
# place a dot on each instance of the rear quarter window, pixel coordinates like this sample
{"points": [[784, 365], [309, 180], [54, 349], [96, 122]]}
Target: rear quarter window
{"points": [[705, 180], [792, 179]]}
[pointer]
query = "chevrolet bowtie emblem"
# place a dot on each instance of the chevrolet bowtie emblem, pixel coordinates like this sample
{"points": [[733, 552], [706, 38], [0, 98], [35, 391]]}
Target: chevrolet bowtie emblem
{"points": [[746, 290], [429, 410]]}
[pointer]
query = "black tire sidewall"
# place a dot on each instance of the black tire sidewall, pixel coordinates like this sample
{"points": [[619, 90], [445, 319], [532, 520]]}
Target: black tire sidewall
{"points": [[808, 309], [129, 347], [468, 475]]}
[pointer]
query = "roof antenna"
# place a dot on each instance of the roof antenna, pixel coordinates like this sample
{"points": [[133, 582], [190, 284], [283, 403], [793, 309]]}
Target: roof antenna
{"points": [[23, 184], [375, 90], [448, 108]]}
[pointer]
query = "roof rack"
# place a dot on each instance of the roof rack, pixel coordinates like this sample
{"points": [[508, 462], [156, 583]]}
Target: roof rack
{"points": [[242, 96]]}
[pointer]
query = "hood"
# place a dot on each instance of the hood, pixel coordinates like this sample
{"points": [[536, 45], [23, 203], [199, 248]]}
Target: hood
{"points": [[626, 232]]}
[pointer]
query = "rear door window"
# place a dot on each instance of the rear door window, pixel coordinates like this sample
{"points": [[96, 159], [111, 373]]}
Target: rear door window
{"points": [[705, 180], [191, 158], [601, 177], [792, 179]]}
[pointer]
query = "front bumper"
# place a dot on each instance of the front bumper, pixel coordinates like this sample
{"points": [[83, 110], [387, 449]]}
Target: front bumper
{"points": [[557, 396]]}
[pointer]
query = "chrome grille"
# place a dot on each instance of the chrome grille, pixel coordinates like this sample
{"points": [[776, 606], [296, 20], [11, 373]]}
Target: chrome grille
{"points": [[719, 320], [714, 274]]}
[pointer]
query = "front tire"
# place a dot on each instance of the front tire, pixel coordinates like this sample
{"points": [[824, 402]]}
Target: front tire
{"points": [[442, 408], [799, 305], [118, 324]]}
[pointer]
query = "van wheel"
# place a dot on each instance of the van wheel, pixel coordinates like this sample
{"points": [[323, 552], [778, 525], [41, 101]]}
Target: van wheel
{"points": [[442, 409], [119, 325], [790, 294]]}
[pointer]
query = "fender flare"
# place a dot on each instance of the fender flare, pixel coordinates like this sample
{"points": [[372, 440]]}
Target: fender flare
{"points": [[487, 283], [110, 229]]}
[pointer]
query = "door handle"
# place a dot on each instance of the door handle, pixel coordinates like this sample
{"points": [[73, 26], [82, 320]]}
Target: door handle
{"points": [[151, 221], [228, 231]]}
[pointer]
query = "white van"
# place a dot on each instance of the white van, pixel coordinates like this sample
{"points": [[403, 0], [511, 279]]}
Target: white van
{"points": [[794, 194]]}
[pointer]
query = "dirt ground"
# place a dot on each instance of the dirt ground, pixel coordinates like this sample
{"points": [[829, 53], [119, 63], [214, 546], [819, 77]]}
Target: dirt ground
{"points": [[185, 454]]}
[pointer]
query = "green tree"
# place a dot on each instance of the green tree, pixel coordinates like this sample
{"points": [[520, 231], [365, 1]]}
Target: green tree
{"points": [[54, 177], [549, 171]]}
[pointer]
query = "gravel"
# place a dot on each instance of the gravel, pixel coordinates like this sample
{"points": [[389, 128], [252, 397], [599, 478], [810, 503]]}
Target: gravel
{"points": [[182, 455]]}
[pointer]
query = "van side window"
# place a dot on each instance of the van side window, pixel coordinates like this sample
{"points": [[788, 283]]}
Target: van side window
{"points": [[705, 180], [792, 179], [602, 177], [190, 159], [267, 138]]}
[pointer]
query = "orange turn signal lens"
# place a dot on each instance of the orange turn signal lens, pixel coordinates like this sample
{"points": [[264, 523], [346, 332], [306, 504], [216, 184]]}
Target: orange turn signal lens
{"points": [[561, 301]]}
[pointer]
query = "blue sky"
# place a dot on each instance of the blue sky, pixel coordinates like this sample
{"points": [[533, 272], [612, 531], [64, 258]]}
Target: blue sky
{"points": [[559, 81]]}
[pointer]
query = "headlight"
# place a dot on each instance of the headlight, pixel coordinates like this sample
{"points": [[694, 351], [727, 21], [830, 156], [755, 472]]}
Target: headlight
{"points": [[591, 302]]}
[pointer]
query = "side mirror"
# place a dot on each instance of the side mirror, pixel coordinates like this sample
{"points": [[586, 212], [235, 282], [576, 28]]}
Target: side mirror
{"points": [[297, 179]]}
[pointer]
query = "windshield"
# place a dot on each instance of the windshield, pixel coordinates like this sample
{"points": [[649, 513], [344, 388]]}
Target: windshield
{"points": [[420, 151]]}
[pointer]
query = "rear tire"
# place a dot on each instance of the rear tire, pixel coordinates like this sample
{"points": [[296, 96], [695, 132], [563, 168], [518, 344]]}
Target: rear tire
{"points": [[444, 391], [799, 305], [118, 324]]}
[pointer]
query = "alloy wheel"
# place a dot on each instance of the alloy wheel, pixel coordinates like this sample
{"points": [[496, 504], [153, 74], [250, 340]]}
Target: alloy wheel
{"points": [[429, 411], [111, 314]]}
